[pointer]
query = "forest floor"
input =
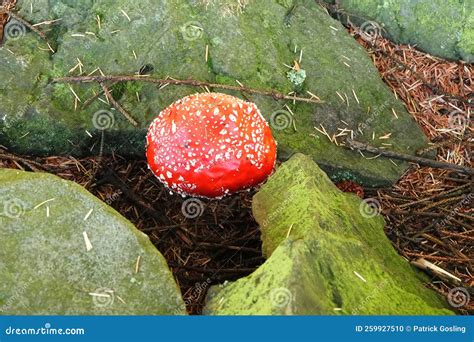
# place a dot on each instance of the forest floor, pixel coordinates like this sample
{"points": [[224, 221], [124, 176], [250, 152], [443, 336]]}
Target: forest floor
{"points": [[428, 211]]}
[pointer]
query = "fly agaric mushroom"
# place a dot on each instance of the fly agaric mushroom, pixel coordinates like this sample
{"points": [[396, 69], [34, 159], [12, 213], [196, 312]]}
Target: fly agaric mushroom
{"points": [[210, 145]]}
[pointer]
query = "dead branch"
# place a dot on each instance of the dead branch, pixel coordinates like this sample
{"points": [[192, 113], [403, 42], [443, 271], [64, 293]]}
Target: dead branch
{"points": [[101, 79], [117, 105], [406, 157]]}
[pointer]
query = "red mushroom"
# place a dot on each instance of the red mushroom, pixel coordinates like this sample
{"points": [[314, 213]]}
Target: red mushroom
{"points": [[210, 145]]}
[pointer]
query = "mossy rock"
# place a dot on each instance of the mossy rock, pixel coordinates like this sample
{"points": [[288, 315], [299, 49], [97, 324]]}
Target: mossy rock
{"points": [[324, 256], [47, 269], [251, 44], [444, 28]]}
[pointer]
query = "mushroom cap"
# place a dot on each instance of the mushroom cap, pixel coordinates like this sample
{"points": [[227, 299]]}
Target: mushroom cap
{"points": [[210, 145]]}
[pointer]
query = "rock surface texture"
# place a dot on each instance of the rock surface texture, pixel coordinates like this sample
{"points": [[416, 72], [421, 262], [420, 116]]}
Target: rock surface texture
{"points": [[252, 44], [444, 28], [327, 254], [64, 252]]}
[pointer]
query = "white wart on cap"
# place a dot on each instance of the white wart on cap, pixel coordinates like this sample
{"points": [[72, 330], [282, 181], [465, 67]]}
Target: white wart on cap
{"points": [[210, 145]]}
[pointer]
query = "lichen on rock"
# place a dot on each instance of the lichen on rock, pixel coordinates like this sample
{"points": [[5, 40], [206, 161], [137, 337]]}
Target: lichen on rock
{"points": [[64, 252]]}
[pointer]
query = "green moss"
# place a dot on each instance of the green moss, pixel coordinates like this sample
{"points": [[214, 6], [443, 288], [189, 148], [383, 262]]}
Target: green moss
{"points": [[465, 45], [251, 45], [248, 298], [322, 254], [441, 27], [288, 4]]}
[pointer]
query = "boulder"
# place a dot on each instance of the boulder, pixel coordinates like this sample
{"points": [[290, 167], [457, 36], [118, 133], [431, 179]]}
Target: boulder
{"points": [[327, 254], [251, 42], [444, 28], [64, 252]]}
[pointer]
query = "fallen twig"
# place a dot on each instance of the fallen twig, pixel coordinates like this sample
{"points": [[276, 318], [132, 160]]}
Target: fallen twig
{"points": [[7, 10], [437, 258], [26, 23], [117, 105], [101, 79], [212, 271], [34, 166], [111, 177], [406, 157], [438, 271]]}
